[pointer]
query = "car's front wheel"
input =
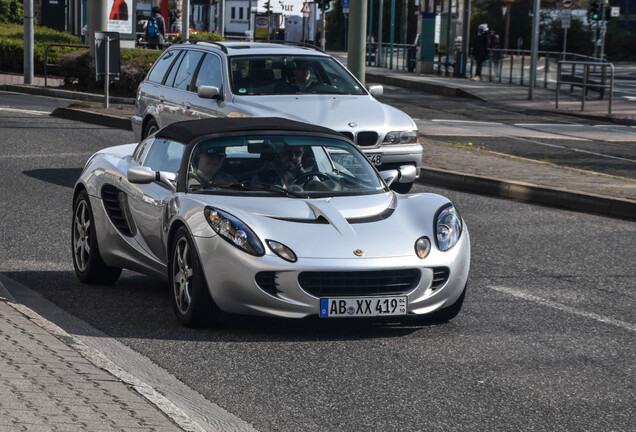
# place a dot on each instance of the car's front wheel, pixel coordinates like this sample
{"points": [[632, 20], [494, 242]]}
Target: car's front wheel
{"points": [[88, 263], [191, 298], [150, 128]]}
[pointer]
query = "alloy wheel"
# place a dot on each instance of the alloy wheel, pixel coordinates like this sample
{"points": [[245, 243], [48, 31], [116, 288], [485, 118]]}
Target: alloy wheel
{"points": [[182, 275], [81, 235]]}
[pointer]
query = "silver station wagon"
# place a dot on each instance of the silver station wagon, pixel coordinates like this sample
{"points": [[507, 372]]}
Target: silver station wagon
{"points": [[200, 79]]}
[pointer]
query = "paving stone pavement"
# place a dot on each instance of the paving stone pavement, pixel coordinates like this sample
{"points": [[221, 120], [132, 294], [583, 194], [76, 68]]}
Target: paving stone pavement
{"points": [[46, 385]]}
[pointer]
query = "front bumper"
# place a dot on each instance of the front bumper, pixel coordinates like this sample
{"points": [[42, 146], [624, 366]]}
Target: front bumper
{"points": [[231, 277], [393, 156]]}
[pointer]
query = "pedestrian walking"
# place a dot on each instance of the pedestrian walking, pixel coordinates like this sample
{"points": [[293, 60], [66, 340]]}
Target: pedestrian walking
{"points": [[155, 29], [495, 52], [481, 49]]}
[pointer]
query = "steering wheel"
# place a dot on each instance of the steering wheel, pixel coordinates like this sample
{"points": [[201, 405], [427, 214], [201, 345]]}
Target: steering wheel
{"points": [[305, 178]]}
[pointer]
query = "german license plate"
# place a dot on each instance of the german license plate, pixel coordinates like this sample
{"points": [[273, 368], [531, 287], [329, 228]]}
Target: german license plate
{"points": [[375, 159], [363, 306]]}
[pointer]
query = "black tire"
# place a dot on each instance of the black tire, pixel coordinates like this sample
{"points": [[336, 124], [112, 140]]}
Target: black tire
{"points": [[191, 298], [88, 263], [402, 188], [448, 313], [150, 128]]}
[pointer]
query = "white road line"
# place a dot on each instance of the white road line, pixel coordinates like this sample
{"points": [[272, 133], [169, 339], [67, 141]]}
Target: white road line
{"points": [[43, 155], [24, 111], [467, 121], [600, 318], [574, 149], [548, 124]]}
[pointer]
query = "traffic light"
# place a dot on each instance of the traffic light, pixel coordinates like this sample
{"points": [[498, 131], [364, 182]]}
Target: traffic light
{"points": [[325, 5], [595, 13]]}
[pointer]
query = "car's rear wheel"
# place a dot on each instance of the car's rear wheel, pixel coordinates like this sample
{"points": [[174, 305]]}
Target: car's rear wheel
{"points": [[150, 128], [88, 263], [448, 313], [191, 298], [402, 188]]}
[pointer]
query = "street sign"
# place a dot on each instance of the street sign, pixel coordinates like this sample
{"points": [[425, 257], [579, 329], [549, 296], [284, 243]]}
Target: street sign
{"points": [[567, 4], [566, 18], [306, 8], [616, 11]]}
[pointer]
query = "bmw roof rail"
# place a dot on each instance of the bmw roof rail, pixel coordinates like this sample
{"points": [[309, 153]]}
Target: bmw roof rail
{"points": [[297, 44], [195, 41]]}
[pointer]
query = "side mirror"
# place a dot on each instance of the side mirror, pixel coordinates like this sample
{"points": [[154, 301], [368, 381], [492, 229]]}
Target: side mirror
{"points": [[376, 90], [208, 92], [405, 174], [145, 175]]}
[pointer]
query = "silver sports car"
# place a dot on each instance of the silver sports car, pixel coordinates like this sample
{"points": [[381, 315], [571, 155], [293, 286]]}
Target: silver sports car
{"points": [[271, 217]]}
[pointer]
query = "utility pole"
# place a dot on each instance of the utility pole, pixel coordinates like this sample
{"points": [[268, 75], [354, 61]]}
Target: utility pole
{"points": [[97, 21], [356, 39], [185, 20], [28, 42], [535, 47]]}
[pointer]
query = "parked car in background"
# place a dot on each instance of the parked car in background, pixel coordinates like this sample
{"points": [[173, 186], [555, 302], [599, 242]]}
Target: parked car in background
{"points": [[200, 79], [271, 217]]}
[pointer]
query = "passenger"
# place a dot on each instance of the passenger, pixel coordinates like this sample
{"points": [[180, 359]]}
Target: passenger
{"points": [[208, 168], [283, 170]]}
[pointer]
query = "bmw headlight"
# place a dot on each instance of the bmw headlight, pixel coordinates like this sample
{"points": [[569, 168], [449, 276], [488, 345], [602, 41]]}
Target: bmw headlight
{"points": [[448, 227], [234, 231], [401, 137]]}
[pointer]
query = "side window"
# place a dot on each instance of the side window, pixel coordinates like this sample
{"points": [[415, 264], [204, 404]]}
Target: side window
{"points": [[161, 67], [209, 73], [165, 155], [187, 68], [173, 70], [142, 148]]}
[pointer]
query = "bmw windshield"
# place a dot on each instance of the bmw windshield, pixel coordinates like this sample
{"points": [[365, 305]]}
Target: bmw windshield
{"points": [[275, 165], [282, 75]]}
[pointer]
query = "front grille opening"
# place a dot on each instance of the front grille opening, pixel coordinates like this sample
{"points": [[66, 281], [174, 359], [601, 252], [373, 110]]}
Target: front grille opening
{"points": [[267, 282], [359, 283], [116, 205], [348, 135], [440, 277], [367, 138]]}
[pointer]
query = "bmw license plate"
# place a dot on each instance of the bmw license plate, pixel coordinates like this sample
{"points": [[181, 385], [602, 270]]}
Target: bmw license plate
{"points": [[360, 307], [375, 158]]}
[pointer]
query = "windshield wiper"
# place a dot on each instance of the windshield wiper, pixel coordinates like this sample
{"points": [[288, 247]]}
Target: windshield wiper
{"points": [[269, 188]]}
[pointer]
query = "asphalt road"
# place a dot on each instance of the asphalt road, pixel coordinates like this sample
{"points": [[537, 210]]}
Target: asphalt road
{"points": [[545, 340], [551, 137]]}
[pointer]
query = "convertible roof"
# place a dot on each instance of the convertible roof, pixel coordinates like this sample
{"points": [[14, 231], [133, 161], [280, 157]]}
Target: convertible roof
{"points": [[187, 131]]}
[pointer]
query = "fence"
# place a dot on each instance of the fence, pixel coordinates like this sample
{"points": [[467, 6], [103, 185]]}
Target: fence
{"points": [[588, 76]]}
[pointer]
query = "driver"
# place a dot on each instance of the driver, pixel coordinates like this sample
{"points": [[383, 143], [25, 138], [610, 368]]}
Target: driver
{"points": [[302, 77], [286, 166]]}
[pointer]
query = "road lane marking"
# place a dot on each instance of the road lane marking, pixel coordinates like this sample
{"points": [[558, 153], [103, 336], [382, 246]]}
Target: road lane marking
{"points": [[43, 155], [564, 308], [24, 111], [468, 121]]}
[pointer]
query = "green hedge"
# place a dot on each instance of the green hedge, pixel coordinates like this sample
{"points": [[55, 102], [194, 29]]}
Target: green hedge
{"points": [[12, 46]]}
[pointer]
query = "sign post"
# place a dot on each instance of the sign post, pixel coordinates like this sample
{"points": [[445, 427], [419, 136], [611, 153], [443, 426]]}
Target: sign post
{"points": [[566, 18]]}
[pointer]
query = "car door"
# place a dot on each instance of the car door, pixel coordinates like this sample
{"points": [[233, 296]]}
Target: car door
{"points": [[153, 91], [181, 90], [149, 206], [210, 73]]}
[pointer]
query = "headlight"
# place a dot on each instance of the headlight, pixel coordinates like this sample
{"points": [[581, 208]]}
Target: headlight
{"points": [[234, 231], [401, 137], [448, 227]]}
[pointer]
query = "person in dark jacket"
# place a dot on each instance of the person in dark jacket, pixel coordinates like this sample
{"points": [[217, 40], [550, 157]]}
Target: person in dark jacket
{"points": [[156, 29], [481, 49]]}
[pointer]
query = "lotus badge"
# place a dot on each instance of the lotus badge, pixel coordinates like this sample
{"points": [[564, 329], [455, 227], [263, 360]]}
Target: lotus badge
{"points": [[358, 252]]}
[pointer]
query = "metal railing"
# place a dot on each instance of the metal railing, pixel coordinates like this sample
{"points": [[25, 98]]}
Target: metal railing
{"points": [[594, 79], [46, 58], [396, 57]]}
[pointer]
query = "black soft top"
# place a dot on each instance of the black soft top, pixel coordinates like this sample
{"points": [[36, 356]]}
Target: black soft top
{"points": [[189, 130]]}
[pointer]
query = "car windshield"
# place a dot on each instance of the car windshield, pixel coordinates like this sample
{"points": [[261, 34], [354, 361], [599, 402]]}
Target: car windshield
{"points": [[281, 75], [281, 165]]}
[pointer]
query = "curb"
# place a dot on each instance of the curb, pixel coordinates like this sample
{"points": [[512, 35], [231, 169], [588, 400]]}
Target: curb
{"points": [[65, 94], [561, 198], [94, 118]]}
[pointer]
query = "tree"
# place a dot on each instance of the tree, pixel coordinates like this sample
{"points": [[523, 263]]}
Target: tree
{"points": [[11, 12]]}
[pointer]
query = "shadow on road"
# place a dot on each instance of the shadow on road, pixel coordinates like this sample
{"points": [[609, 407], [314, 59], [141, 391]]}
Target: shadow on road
{"points": [[65, 177]]}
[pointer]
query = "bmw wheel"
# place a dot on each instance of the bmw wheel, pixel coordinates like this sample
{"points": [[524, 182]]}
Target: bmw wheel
{"points": [[191, 298], [88, 263], [150, 128]]}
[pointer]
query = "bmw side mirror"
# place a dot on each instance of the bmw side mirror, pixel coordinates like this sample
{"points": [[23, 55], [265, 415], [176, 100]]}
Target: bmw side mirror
{"points": [[376, 90], [145, 175], [208, 92]]}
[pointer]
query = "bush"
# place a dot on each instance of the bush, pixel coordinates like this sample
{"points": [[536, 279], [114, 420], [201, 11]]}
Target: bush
{"points": [[78, 71], [202, 35], [12, 46], [11, 12]]}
